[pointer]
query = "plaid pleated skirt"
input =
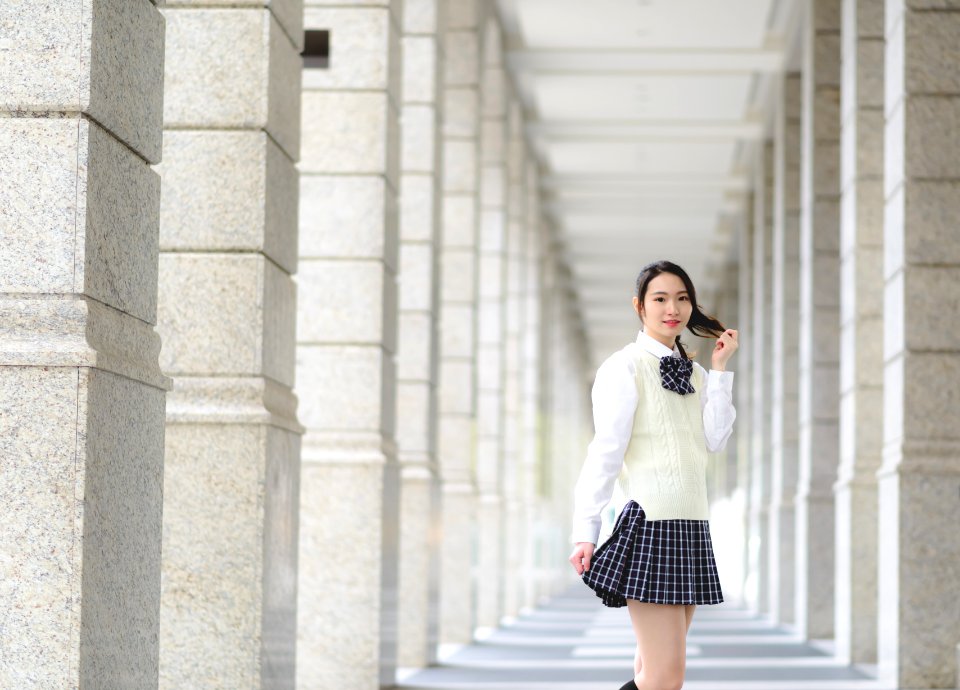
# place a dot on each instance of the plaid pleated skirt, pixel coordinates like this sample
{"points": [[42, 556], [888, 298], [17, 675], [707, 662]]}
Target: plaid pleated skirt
{"points": [[657, 561]]}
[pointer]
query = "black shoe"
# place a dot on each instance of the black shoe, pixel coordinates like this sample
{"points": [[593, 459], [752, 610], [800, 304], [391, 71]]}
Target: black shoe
{"points": [[629, 685]]}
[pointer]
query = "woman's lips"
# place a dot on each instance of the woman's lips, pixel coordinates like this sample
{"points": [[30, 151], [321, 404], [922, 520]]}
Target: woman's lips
{"points": [[672, 323]]}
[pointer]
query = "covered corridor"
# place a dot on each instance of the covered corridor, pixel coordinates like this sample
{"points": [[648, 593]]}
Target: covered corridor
{"points": [[302, 302], [569, 643]]}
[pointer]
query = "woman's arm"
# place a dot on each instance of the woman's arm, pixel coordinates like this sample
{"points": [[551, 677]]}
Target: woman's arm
{"points": [[614, 405], [716, 404]]}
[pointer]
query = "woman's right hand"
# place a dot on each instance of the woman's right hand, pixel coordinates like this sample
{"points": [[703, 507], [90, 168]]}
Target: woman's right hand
{"points": [[581, 556]]}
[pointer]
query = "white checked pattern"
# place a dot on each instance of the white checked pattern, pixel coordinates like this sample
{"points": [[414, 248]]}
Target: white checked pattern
{"points": [[675, 374], [657, 561]]}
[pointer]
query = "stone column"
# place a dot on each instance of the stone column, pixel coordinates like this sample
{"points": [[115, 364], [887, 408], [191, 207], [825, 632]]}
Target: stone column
{"points": [[81, 393], [550, 333], [572, 414], [819, 318], [458, 320], [784, 314], [227, 318], [861, 315], [743, 390], [729, 308], [346, 346], [760, 364], [514, 478], [490, 330], [919, 480], [726, 498], [532, 458], [767, 546], [417, 364], [565, 413]]}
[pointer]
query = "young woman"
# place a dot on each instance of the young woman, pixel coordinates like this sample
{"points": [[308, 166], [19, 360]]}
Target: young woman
{"points": [[657, 414]]}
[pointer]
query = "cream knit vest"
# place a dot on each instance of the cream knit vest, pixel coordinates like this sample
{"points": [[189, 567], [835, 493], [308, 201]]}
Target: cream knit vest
{"points": [[666, 458]]}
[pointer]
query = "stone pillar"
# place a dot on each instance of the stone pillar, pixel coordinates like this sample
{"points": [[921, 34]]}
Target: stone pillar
{"points": [[919, 480], [420, 227], [766, 454], [514, 478], [555, 472], [784, 314], [819, 318], [458, 320], [574, 422], [743, 390], [346, 345], [490, 330], [726, 498], [81, 393], [568, 441], [861, 316], [760, 364], [549, 333], [729, 308], [227, 318], [532, 457]]}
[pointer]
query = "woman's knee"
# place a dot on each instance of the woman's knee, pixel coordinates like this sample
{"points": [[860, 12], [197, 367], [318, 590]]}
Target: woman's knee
{"points": [[675, 684], [666, 679]]}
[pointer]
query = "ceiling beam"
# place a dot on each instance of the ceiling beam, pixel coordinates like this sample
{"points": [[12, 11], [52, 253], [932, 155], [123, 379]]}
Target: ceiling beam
{"points": [[732, 183], [656, 131], [646, 61], [639, 209]]}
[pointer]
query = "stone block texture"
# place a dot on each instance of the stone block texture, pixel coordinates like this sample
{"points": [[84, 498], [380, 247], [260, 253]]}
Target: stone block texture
{"points": [[81, 394], [227, 314]]}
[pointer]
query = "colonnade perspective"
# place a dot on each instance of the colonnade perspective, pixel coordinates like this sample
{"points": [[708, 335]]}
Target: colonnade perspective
{"points": [[295, 381]]}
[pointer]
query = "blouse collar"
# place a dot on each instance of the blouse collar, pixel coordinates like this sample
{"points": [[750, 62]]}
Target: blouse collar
{"points": [[654, 346]]}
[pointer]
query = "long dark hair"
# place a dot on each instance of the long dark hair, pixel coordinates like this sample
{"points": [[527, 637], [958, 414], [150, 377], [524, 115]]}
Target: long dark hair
{"points": [[700, 323]]}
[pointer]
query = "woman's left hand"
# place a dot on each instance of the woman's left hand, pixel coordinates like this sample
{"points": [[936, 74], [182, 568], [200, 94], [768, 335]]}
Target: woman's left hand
{"points": [[726, 345]]}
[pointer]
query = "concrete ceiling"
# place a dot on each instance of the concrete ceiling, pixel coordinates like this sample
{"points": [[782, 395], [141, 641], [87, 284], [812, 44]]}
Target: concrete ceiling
{"points": [[643, 114]]}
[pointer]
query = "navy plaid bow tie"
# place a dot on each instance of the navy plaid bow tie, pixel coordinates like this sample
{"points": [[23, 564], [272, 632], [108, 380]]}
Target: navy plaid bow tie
{"points": [[675, 374]]}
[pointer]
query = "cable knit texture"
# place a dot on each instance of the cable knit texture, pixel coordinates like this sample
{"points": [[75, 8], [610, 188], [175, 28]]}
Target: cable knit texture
{"points": [[666, 459]]}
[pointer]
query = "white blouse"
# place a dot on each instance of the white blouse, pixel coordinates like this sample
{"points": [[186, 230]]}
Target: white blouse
{"points": [[614, 406]]}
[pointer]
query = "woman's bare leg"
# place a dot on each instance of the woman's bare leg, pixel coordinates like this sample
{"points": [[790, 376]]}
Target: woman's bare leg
{"points": [[638, 660], [661, 631]]}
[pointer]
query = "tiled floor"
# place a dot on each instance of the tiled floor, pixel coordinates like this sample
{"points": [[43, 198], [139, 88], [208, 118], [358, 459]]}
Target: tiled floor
{"points": [[573, 642]]}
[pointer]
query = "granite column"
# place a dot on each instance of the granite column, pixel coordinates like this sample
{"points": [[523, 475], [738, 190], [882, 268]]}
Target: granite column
{"points": [[743, 432], [227, 317], [346, 349], [81, 393], [919, 479], [759, 362], [861, 328], [514, 476], [418, 346], [532, 458], [458, 321], [819, 345], [785, 317], [491, 286]]}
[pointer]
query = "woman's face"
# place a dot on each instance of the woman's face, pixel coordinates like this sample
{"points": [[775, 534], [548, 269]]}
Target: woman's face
{"points": [[666, 307]]}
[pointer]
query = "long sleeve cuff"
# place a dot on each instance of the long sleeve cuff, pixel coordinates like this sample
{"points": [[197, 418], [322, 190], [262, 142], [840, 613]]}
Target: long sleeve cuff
{"points": [[719, 412], [718, 381], [586, 531]]}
